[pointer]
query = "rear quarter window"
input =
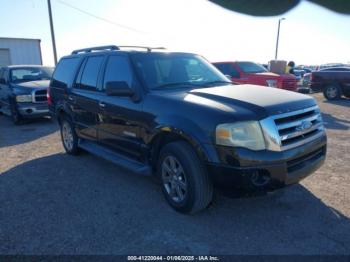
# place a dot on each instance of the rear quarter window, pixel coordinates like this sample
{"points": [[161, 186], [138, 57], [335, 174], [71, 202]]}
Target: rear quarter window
{"points": [[65, 72]]}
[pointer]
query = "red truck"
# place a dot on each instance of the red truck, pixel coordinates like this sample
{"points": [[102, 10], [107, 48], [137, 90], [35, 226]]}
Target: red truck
{"points": [[243, 72]]}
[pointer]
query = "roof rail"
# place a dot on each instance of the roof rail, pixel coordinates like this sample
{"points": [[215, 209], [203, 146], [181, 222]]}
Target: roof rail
{"points": [[97, 48], [149, 49]]}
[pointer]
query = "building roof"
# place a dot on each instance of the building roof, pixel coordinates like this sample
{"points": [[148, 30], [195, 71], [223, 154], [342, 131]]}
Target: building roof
{"points": [[19, 38]]}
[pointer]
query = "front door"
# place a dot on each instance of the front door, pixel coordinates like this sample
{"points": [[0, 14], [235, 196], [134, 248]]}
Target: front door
{"points": [[119, 117], [83, 97], [5, 92]]}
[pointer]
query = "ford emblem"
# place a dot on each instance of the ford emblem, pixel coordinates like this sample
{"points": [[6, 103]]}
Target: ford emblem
{"points": [[304, 126]]}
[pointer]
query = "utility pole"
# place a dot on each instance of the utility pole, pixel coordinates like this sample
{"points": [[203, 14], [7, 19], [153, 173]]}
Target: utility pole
{"points": [[52, 32], [278, 36]]}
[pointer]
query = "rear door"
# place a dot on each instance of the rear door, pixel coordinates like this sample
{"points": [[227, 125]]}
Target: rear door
{"points": [[84, 97], [119, 118], [345, 82]]}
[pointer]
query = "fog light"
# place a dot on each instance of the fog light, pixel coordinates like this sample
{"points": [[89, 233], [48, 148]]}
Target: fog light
{"points": [[259, 179]]}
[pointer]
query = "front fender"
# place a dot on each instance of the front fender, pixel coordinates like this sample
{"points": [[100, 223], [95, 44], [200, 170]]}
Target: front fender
{"points": [[200, 138]]}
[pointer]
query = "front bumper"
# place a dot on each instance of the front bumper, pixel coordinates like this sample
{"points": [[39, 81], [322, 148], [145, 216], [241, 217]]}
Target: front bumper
{"points": [[33, 110], [267, 169]]}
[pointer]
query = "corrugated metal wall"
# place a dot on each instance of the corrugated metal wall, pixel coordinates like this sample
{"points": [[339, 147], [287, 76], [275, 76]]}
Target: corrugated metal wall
{"points": [[22, 51]]}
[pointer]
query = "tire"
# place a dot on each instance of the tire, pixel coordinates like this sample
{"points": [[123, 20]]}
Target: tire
{"points": [[15, 115], [68, 136], [332, 92], [184, 179]]}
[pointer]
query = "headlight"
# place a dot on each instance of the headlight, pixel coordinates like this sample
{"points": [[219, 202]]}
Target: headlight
{"points": [[24, 98], [243, 134], [271, 83]]}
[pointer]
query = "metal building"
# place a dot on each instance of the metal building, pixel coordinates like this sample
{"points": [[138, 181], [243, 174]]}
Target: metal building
{"points": [[20, 51]]}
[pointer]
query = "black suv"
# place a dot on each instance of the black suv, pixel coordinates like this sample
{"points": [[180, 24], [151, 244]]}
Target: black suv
{"points": [[176, 116]]}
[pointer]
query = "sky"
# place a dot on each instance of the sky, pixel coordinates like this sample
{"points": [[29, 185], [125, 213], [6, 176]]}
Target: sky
{"points": [[309, 35]]}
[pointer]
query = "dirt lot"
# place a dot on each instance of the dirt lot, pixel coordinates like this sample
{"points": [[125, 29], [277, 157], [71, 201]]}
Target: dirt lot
{"points": [[52, 203]]}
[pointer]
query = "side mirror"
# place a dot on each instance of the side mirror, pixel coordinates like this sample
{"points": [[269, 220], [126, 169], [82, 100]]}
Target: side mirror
{"points": [[2, 81], [118, 88], [229, 77]]}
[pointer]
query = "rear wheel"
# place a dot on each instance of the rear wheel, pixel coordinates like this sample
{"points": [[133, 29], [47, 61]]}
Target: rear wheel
{"points": [[68, 136], [332, 92], [185, 182]]}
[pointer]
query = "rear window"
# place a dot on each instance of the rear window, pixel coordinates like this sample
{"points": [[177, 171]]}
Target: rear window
{"points": [[90, 74], [65, 72]]}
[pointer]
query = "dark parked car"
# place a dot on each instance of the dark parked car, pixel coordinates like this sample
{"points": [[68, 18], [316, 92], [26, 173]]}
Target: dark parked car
{"points": [[23, 91], [176, 116], [333, 82]]}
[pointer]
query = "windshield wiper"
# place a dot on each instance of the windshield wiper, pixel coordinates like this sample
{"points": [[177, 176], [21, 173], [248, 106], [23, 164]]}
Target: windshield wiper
{"points": [[175, 84], [217, 82]]}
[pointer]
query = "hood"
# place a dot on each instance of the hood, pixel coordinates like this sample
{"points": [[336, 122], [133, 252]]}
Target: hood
{"points": [[34, 84], [260, 99], [267, 74]]}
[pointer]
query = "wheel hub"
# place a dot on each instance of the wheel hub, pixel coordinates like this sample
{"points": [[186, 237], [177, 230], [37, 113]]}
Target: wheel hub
{"points": [[174, 179], [331, 92]]}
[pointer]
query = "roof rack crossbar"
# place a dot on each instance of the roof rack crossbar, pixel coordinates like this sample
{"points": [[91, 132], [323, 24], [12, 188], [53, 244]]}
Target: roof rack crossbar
{"points": [[97, 48], [149, 49]]}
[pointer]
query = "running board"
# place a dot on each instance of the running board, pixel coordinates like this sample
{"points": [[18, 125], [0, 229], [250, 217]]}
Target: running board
{"points": [[118, 159]]}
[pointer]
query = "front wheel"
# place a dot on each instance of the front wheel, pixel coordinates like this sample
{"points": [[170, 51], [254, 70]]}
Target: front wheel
{"points": [[185, 182], [332, 92], [15, 115], [69, 137]]}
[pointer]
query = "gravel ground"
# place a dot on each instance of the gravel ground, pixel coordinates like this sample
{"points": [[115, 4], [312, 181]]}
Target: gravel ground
{"points": [[53, 203]]}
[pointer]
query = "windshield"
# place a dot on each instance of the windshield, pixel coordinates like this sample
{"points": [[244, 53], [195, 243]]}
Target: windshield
{"points": [[26, 74], [164, 70], [250, 67]]}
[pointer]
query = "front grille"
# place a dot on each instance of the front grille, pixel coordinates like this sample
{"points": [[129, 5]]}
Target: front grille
{"points": [[40, 96], [299, 127]]}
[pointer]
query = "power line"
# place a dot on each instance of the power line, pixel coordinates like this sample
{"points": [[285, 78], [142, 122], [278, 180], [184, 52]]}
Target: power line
{"points": [[100, 18]]}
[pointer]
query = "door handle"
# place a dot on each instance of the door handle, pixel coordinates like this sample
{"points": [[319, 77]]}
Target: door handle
{"points": [[101, 104], [71, 98]]}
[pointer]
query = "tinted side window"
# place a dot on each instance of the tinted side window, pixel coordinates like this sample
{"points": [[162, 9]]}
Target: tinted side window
{"points": [[64, 72], [90, 73], [227, 69], [117, 69]]}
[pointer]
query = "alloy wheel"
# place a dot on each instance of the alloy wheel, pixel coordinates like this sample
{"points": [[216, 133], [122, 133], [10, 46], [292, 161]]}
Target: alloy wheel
{"points": [[174, 179], [332, 92], [67, 135]]}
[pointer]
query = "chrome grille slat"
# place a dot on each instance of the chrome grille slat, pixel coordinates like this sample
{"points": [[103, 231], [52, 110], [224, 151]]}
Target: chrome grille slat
{"points": [[298, 122], [299, 133], [304, 141]]}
